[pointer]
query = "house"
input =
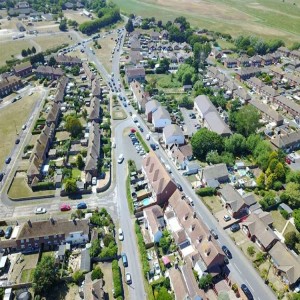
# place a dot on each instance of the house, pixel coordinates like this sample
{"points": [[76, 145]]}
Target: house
{"points": [[212, 71], [92, 157], [85, 260], [295, 54], [22, 4], [61, 88], [150, 107], [268, 92], [90, 75], [287, 142], [9, 84], [259, 232], [292, 80], [277, 72], [54, 114], [135, 57], [181, 155], [92, 289], [283, 51], [268, 113], [267, 60], [172, 134], [255, 61], [222, 78], [20, 27], [255, 83], [215, 175], [246, 73], [23, 69], [154, 35], [135, 73], [154, 222], [67, 60], [160, 118], [210, 116], [96, 88], [242, 95], [285, 264], [139, 95], [288, 105], [233, 201], [61, 253], [160, 182], [230, 86], [230, 62], [165, 34], [94, 110], [243, 61], [49, 72]]}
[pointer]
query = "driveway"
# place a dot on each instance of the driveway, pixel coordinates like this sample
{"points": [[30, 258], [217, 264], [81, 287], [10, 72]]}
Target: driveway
{"points": [[190, 124]]}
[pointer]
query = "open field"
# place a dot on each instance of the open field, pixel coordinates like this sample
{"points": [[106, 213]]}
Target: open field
{"points": [[75, 15], [12, 118], [271, 19]]}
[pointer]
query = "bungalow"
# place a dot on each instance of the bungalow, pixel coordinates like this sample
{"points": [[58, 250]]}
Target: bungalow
{"points": [[283, 51], [154, 222], [9, 84], [49, 72], [285, 264], [23, 69], [270, 114], [215, 175], [287, 142], [255, 83], [66, 60], [268, 92], [246, 73], [160, 183], [288, 105], [150, 107], [181, 155], [160, 118], [136, 73], [230, 62], [259, 232], [139, 95], [172, 134]]}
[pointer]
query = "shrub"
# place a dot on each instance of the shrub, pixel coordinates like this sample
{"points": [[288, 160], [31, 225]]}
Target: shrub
{"points": [[42, 186], [142, 248], [284, 213], [207, 191], [78, 277], [250, 251], [97, 273], [117, 279]]}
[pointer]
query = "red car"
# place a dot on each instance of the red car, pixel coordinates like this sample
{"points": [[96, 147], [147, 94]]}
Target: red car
{"points": [[65, 207], [133, 130]]}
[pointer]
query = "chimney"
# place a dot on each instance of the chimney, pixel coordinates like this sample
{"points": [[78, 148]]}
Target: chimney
{"points": [[29, 223]]}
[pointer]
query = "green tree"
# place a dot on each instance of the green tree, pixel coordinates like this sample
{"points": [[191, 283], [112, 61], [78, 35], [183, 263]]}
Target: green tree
{"points": [[52, 61], [97, 273], [24, 53], [95, 248], [78, 277], [73, 126], [33, 50], [165, 242], [44, 275], [108, 238], [296, 215], [293, 176], [247, 120], [236, 144], [29, 51], [290, 239], [79, 162], [252, 141], [70, 186], [279, 172], [260, 181], [291, 195], [205, 281], [129, 26], [163, 294], [251, 251], [63, 25], [204, 141]]}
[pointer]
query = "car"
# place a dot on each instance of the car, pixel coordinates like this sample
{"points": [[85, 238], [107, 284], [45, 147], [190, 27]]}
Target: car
{"points": [[246, 291], [124, 259], [141, 129], [133, 130], [121, 234], [235, 227], [2, 233], [156, 146], [227, 218], [179, 187], [81, 205], [113, 144], [128, 278], [120, 159], [148, 137], [24, 127], [40, 210], [8, 232], [1, 176], [153, 146], [8, 160], [214, 234], [227, 252], [17, 141], [65, 207], [94, 180], [157, 268]]}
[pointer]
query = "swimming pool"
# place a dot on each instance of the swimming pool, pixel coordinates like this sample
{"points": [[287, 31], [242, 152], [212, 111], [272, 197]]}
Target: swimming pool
{"points": [[146, 201]]}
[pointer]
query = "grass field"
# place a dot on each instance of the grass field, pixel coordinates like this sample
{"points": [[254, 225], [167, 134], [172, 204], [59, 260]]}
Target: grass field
{"points": [[268, 18]]}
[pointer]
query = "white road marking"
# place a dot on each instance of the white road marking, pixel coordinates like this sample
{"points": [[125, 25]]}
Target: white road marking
{"points": [[237, 268]]}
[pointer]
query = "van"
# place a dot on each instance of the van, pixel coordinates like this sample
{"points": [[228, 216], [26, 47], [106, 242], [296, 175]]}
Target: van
{"points": [[124, 260]]}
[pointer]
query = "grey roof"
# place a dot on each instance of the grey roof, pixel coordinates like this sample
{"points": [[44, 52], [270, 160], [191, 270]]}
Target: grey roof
{"points": [[264, 108], [151, 106], [232, 197], [289, 103], [249, 199], [161, 113], [94, 109], [266, 89], [204, 104], [171, 130], [286, 208], [215, 172], [286, 140], [93, 148], [85, 260]]}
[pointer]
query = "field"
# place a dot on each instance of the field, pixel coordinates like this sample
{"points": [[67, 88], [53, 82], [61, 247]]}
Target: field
{"points": [[12, 117], [267, 18]]}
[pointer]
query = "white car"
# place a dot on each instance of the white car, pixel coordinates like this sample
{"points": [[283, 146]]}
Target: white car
{"points": [[121, 235], [120, 159], [148, 137], [94, 180], [24, 127], [157, 269], [40, 211], [128, 278]]}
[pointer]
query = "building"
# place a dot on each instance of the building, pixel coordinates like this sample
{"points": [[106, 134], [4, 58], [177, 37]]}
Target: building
{"points": [[287, 142], [283, 51], [288, 105], [255, 61], [242, 95], [172, 134], [230, 62], [9, 84], [92, 289], [139, 95], [295, 54], [268, 92], [20, 27], [246, 73], [215, 175], [23, 69], [160, 183], [89, 74], [243, 61], [135, 73], [255, 83], [160, 118], [181, 155], [66, 60], [150, 107], [96, 88], [49, 72], [94, 110]]}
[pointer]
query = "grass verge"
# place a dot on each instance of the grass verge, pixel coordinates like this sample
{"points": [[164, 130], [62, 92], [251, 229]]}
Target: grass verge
{"points": [[140, 138], [128, 195]]}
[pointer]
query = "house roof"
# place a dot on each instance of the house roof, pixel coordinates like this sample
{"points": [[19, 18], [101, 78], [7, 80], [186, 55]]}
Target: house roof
{"points": [[286, 208], [135, 72], [53, 113], [94, 109], [232, 197], [172, 130], [93, 290], [266, 89], [65, 59], [286, 140], [141, 97], [154, 215], [255, 82], [22, 67], [93, 152], [191, 283], [215, 172], [47, 70], [204, 104], [88, 71], [178, 284], [286, 262], [289, 103], [9, 80], [96, 89], [160, 113], [151, 106], [85, 260], [62, 83]]}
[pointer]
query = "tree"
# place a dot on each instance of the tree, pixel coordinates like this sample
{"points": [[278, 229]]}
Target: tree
{"points": [[163, 294], [290, 239], [291, 195], [73, 126], [52, 61], [165, 242], [63, 25], [24, 53], [205, 281], [129, 26], [33, 50], [95, 248], [78, 277], [79, 162], [163, 66], [44, 275], [247, 120], [38, 58], [279, 172], [75, 70], [260, 181], [251, 251], [204, 141], [296, 215], [236, 144], [70, 186], [97, 273], [29, 51]]}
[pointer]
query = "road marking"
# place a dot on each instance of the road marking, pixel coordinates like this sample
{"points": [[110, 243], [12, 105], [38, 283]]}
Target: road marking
{"points": [[249, 285], [237, 268]]}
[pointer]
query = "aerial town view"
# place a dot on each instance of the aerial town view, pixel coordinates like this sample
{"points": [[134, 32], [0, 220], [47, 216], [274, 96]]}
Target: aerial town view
{"points": [[150, 150]]}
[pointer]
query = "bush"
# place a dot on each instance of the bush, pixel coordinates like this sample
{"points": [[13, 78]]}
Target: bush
{"points": [[250, 250], [142, 249], [207, 191], [117, 279], [97, 273], [42, 186], [78, 277], [140, 138], [284, 213]]}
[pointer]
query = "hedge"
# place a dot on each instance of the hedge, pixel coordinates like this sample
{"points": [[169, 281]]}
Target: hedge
{"points": [[140, 138], [207, 191], [42, 186], [117, 279]]}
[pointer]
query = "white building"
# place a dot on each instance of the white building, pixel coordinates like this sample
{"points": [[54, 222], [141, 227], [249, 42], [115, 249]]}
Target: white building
{"points": [[172, 134]]}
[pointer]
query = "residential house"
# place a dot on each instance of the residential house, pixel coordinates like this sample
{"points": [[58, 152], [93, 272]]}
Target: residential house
{"points": [[255, 83], [150, 107], [139, 95], [212, 71], [23, 69], [230, 86], [135, 57], [246, 73], [276, 57], [90, 75], [160, 118], [172, 134], [230, 62], [49, 72], [222, 78], [292, 79], [22, 4], [242, 95], [54, 114], [270, 114], [94, 110], [287, 142], [135, 73], [135, 44], [9, 84], [155, 36], [233, 201], [277, 72], [210, 116], [255, 61], [92, 157], [283, 51], [181, 155], [160, 183], [61, 88], [92, 289], [154, 222], [96, 88], [267, 60], [288, 105], [259, 232], [268, 92], [215, 175], [295, 54], [243, 61], [285, 264], [165, 35], [67, 60]]}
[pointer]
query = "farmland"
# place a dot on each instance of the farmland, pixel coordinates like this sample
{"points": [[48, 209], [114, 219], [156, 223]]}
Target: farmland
{"points": [[267, 18]]}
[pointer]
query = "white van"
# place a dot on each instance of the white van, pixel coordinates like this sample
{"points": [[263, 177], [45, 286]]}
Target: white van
{"points": [[120, 159]]}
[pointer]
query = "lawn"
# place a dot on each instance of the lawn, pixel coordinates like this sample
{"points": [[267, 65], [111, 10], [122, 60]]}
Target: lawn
{"points": [[20, 189], [27, 275], [118, 113], [289, 228], [62, 135], [164, 81], [76, 173], [265, 18], [213, 203], [278, 220], [12, 117], [224, 44]]}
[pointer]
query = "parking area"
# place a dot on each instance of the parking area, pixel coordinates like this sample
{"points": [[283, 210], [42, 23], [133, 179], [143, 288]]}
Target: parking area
{"points": [[191, 124]]}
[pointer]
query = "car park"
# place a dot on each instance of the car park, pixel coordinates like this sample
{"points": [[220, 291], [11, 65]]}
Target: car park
{"points": [[65, 207], [40, 210], [235, 227], [227, 252], [81, 205], [121, 235], [246, 291], [214, 234], [124, 259], [8, 232], [227, 218], [128, 278]]}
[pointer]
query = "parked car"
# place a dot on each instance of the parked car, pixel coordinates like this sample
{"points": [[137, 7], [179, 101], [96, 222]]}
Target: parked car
{"points": [[235, 227], [81, 205], [246, 291], [120, 159], [8, 232], [40, 210], [214, 234], [65, 207], [148, 137], [121, 235], [227, 218], [8, 160], [179, 187], [2, 233], [1, 176], [128, 278], [157, 269], [227, 252], [124, 259], [94, 180], [153, 146], [17, 141], [24, 127]]}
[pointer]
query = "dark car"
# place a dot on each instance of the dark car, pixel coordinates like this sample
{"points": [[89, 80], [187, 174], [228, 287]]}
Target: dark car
{"points": [[1, 176], [179, 187], [17, 141], [153, 146], [2, 233], [124, 259], [227, 252], [246, 291], [81, 205], [213, 233], [8, 232], [7, 161], [235, 227]]}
